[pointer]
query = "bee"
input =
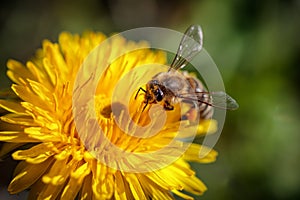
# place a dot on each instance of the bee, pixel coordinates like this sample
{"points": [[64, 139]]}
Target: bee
{"points": [[174, 86]]}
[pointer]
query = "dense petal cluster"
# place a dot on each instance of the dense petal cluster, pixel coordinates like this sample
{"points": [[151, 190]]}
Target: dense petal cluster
{"points": [[40, 130]]}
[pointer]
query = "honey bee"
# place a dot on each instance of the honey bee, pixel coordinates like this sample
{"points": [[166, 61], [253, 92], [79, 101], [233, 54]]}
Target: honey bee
{"points": [[174, 86]]}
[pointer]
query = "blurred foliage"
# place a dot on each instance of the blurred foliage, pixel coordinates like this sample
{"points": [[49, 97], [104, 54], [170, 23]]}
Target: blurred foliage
{"points": [[254, 43]]}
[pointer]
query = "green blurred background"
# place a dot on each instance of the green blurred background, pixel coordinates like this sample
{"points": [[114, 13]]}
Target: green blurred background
{"points": [[254, 43]]}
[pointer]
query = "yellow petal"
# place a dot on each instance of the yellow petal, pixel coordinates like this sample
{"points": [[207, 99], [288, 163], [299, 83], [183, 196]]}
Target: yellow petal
{"points": [[58, 175], [199, 153], [63, 155], [16, 137], [182, 195], [74, 185], [14, 107], [81, 172], [51, 72], [103, 182], [28, 174], [86, 192], [135, 187], [161, 181], [45, 135], [207, 126], [120, 185], [39, 74], [42, 92], [17, 119], [27, 95], [50, 192], [153, 189], [194, 185], [36, 154], [18, 71], [71, 189]]}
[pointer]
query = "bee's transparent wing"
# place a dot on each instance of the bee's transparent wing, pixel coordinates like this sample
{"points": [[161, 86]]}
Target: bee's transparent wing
{"points": [[215, 99], [190, 45]]}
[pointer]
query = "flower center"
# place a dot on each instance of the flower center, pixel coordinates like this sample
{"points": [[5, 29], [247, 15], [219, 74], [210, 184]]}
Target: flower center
{"points": [[115, 108]]}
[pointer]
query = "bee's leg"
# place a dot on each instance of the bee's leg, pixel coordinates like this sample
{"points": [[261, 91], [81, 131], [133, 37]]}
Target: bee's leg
{"points": [[146, 103], [192, 114], [168, 106], [139, 91], [193, 104]]}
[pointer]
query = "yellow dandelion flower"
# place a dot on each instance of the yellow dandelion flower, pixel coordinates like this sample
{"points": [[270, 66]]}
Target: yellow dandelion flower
{"points": [[58, 162]]}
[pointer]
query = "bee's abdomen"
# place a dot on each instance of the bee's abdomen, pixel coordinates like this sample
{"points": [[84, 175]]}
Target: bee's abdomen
{"points": [[205, 110]]}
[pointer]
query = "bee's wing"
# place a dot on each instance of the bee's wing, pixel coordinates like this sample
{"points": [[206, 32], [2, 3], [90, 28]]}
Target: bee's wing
{"points": [[190, 45], [215, 99]]}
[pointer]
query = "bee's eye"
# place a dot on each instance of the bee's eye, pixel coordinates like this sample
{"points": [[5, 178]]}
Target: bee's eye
{"points": [[159, 95]]}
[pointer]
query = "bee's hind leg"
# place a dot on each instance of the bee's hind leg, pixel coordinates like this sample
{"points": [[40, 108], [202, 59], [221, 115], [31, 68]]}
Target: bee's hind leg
{"points": [[192, 114]]}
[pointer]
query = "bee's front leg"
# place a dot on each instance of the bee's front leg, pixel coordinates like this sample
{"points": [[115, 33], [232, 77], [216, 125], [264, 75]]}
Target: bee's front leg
{"points": [[139, 92], [168, 106]]}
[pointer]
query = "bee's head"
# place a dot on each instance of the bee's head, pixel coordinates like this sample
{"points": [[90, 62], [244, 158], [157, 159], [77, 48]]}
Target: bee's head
{"points": [[154, 92]]}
